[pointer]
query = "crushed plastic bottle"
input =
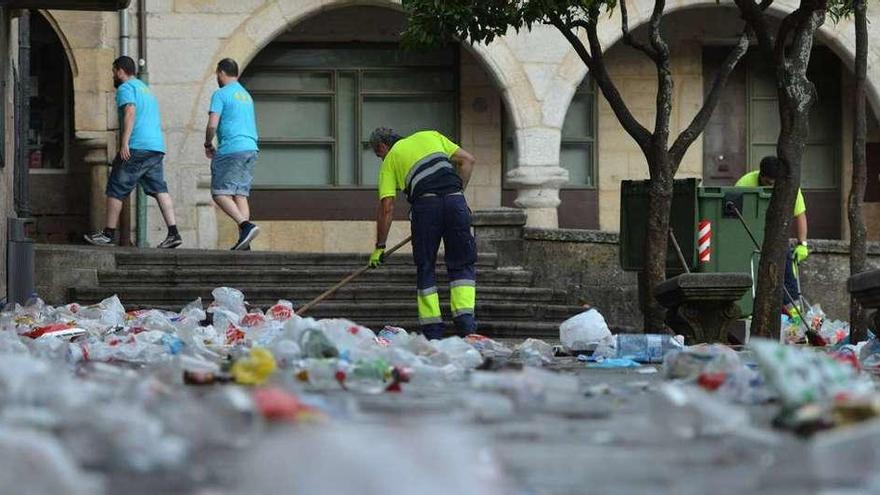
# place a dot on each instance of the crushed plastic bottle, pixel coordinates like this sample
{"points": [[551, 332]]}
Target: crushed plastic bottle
{"points": [[647, 348]]}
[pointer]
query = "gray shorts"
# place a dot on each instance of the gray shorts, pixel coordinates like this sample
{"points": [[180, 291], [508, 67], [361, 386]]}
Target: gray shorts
{"points": [[233, 173]]}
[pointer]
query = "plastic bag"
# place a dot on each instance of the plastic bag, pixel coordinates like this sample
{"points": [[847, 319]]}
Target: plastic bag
{"points": [[834, 331], [281, 311], [488, 347], [534, 352], [584, 331], [869, 356], [458, 352], [314, 344], [229, 299], [792, 331], [254, 369], [691, 362]]}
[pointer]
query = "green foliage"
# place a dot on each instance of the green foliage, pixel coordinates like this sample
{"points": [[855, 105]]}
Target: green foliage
{"points": [[841, 9], [436, 22]]}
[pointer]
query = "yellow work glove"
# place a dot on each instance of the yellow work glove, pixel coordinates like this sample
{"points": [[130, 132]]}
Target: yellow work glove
{"points": [[377, 257], [801, 253]]}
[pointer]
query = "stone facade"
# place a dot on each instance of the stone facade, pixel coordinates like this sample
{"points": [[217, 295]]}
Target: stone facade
{"points": [[533, 74], [7, 56]]}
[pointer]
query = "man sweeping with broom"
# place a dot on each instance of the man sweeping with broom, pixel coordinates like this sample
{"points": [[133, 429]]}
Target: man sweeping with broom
{"points": [[433, 172]]}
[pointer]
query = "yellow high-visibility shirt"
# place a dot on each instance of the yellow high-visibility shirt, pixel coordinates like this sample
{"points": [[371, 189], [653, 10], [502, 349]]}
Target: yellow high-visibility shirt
{"points": [[752, 179], [419, 164]]}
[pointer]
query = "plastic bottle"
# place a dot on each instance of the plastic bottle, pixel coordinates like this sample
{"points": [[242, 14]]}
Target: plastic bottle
{"points": [[314, 344], [320, 374], [646, 348], [368, 376]]}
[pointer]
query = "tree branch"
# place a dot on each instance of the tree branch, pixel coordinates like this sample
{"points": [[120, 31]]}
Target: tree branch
{"points": [[656, 38], [629, 39], [596, 65], [753, 14], [698, 124], [788, 23], [664, 79]]}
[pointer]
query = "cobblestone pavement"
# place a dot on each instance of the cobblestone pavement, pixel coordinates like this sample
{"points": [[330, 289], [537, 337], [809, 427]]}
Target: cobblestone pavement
{"points": [[617, 434]]}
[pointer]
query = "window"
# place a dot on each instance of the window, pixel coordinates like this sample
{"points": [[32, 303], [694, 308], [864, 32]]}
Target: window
{"points": [[578, 146], [317, 105], [821, 164]]}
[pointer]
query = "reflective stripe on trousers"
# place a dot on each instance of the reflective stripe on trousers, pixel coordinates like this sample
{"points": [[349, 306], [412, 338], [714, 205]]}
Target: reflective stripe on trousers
{"points": [[447, 219]]}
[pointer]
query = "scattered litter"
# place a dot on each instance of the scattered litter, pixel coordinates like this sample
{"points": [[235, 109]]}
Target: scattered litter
{"points": [[583, 332], [690, 362], [614, 363], [644, 348], [534, 352], [488, 347], [803, 376], [646, 370]]}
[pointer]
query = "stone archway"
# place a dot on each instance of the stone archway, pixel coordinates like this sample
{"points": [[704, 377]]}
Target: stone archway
{"points": [[71, 58], [837, 37], [274, 17]]}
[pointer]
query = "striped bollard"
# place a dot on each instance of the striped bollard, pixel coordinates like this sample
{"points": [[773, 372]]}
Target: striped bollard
{"points": [[705, 241]]}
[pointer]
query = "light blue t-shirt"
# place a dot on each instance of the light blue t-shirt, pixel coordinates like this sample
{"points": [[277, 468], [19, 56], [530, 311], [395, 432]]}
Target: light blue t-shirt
{"points": [[237, 130], [147, 132]]}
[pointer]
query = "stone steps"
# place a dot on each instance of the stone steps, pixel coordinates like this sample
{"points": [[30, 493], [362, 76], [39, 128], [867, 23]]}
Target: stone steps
{"points": [[236, 276], [264, 296], [508, 305], [190, 258]]}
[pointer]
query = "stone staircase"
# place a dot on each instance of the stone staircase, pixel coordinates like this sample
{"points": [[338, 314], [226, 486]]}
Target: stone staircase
{"points": [[508, 305]]}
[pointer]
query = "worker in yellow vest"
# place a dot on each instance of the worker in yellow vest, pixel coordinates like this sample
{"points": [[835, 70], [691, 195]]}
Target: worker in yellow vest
{"points": [[766, 177], [433, 172]]}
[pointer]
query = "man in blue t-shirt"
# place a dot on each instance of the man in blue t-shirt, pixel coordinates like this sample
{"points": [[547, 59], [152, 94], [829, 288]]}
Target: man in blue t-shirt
{"points": [[141, 155], [231, 118]]}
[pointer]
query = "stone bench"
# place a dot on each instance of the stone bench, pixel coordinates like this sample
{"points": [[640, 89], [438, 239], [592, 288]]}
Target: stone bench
{"points": [[701, 306], [865, 288]]}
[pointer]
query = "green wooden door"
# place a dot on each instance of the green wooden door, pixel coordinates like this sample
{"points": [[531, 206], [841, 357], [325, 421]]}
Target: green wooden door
{"points": [[820, 168]]}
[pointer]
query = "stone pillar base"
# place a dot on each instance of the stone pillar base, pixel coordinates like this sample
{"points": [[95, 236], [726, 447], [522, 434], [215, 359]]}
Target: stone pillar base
{"points": [[538, 193]]}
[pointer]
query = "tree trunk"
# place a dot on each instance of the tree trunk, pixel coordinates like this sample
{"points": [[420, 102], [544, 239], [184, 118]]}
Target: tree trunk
{"points": [[796, 96], [790, 150], [857, 234], [660, 192]]}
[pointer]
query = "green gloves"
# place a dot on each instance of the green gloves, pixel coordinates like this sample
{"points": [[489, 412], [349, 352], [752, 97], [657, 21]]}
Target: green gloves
{"points": [[377, 257], [801, 253]]}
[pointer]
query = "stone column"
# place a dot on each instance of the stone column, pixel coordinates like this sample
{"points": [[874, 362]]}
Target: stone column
{"points": [[539, 176], [93, 148]]}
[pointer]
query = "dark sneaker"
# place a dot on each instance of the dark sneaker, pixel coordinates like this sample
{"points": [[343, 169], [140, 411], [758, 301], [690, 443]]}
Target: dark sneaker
{"points": [[171, 242], [248, 233], [99, 239]]}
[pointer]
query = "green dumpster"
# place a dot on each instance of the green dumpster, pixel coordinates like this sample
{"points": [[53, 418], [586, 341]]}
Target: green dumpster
{"points": [[729, 247], [634, 224]]}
